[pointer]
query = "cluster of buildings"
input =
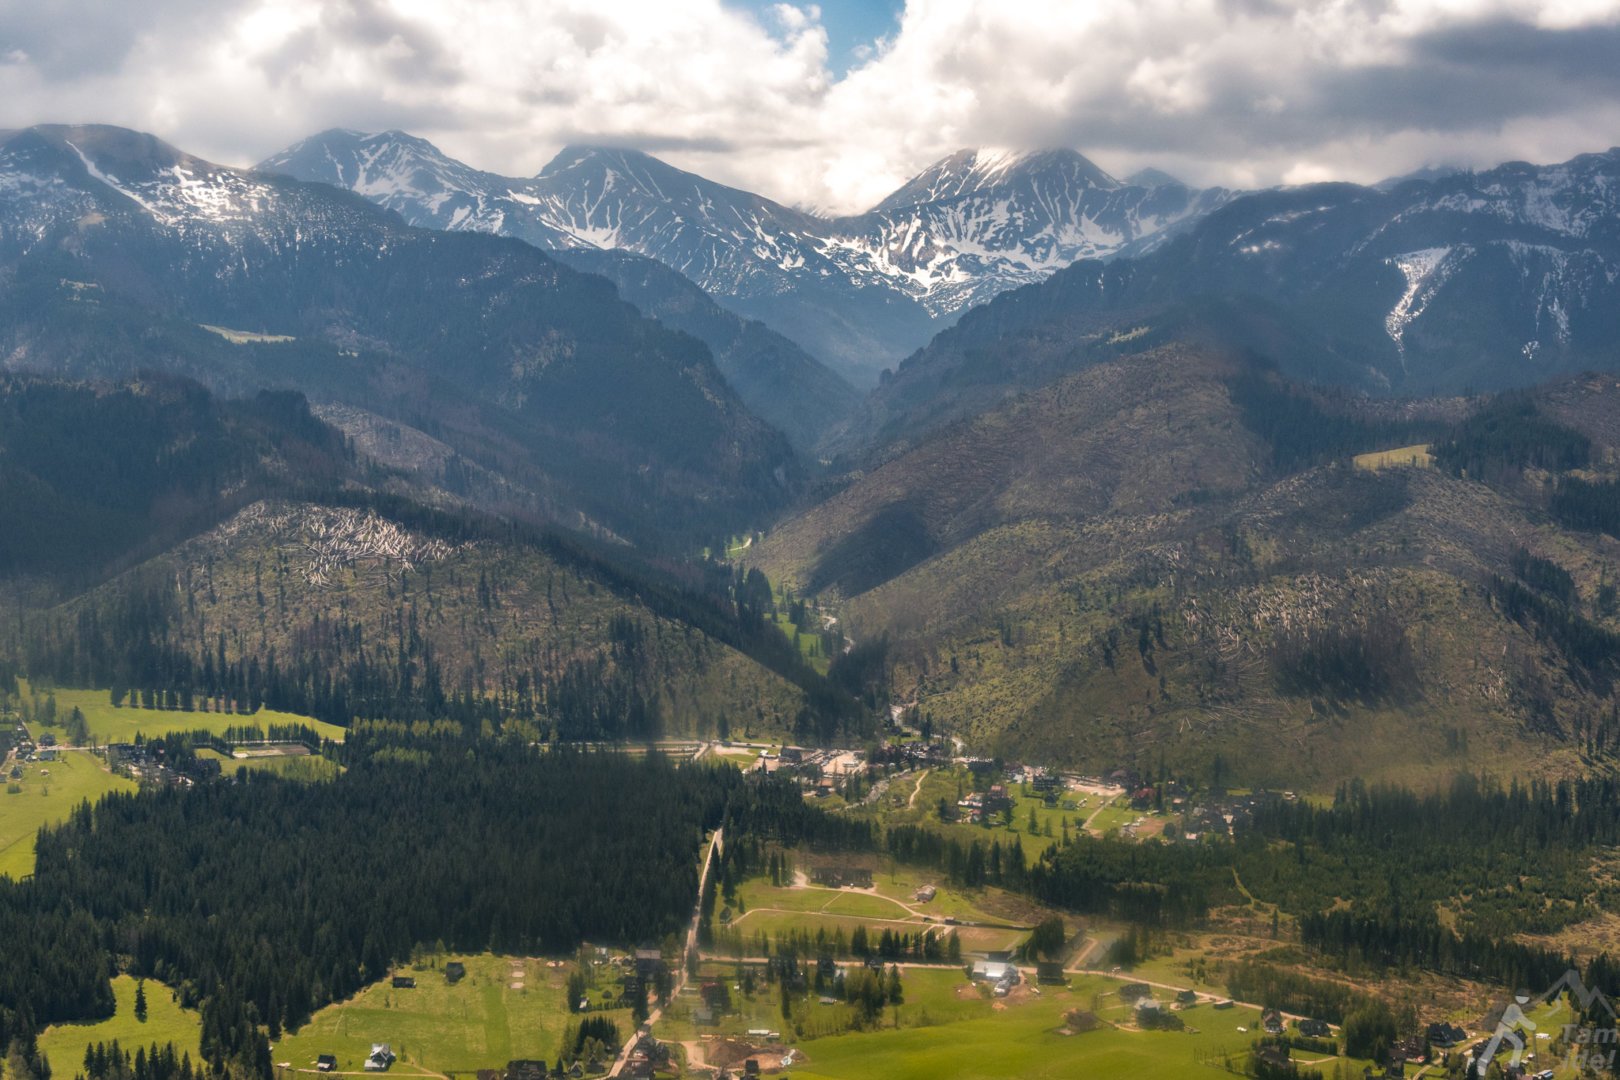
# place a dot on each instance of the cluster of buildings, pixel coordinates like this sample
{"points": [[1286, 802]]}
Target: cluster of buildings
{"points": [[976, 806], [535, 1069], [146, 763], [841, 876]]}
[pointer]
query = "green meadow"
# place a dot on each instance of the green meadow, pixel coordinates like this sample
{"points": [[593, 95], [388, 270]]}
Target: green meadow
{"points": [[481, 1022], [45, 795], [809, 645], [108, 724], [309, 768], [165, 1022], [893, 896], [977, 1038]]}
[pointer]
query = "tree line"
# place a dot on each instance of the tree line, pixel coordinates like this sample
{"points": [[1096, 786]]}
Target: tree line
{"points": [[242, 895]]}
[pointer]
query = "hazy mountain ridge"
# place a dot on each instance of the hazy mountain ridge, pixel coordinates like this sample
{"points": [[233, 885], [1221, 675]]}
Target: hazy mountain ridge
{"points": [[781, 383], [152, 525], [94, 473], [859, 291], [118, 246]]}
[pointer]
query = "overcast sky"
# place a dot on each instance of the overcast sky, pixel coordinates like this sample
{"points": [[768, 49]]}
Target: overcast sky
{"points": [[835, 107]]}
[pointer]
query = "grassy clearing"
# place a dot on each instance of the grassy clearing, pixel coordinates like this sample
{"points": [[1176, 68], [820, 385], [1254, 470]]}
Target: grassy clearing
{"points": [[809, 645], [948, 1028], [479, 1023], [47, 792], [866, 905], [894, 888], [108, 724], [932, 996], [1114, 817], [165, 1022], [991, 1040], [307, 768], [773, 923], [947, 786], [1387, 459]]}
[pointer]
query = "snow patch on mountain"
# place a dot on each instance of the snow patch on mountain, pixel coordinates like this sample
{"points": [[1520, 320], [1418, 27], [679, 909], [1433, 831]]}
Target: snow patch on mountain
{"points": [[112, 182], [972, 225], [1425, 272]]}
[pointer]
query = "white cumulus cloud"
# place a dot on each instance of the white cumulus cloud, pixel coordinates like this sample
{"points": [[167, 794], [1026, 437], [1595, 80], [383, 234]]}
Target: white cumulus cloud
{"points": [[1241, 92]]}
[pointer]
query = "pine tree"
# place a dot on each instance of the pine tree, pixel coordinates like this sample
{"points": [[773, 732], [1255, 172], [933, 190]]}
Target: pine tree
{"points": [[140, 1001]]}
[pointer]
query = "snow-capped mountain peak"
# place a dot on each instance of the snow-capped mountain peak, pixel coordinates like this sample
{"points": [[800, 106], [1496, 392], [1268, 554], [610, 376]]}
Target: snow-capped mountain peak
{"points": [[971, 225], [62, 172], [969, 171]]}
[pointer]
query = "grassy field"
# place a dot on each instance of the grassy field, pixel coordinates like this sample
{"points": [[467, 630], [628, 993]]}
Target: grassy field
{"points": [[1021, 1036], [974, 939], [481, 1022], [310, 768], [1114, 817], [809, 644], [932, 996], [49, 790], [1405, 455], [947, 785], [893, 890], [108, 724], [165, 1022], [948, 1029]]}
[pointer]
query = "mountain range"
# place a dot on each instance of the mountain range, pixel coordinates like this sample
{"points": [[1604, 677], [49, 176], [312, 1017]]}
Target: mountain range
{"points": [[1110, 515], [552, 396], [859, 292], [1468, 281], [1168, 557]]}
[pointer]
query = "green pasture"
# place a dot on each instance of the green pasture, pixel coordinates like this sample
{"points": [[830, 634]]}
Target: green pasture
{"points": [[1023, 1037], [110, 725], [166, 1022], [45, 795], [481, 1022]]}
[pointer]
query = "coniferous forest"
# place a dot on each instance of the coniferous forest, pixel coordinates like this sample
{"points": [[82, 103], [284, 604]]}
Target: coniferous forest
{"points": [[495, 846]]}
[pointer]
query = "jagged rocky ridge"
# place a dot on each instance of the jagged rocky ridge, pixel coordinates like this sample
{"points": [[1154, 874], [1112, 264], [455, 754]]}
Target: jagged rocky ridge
{"points": [[860, 292]]}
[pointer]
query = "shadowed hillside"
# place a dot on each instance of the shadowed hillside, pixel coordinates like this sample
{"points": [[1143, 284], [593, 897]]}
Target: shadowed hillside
{"points": [[1170, 557]]}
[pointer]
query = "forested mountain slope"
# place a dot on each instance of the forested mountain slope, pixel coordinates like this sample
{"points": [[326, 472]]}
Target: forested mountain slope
{"points": [[343, 611], [1456, 283], [91, 475], [158, 538], [780, 382], [121, 253], [1169, 557]]}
